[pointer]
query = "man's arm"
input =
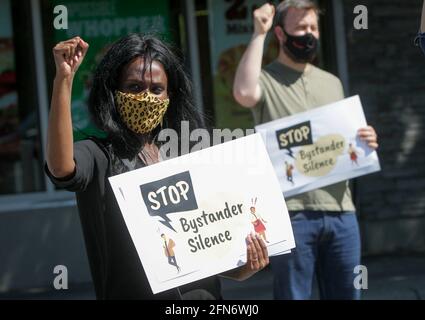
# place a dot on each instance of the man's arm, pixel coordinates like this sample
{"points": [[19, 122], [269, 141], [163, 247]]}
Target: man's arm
{"points": [[423, 18], [246, 88]]}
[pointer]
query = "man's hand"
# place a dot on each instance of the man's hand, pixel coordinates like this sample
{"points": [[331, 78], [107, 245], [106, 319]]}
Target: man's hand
{"points": [[68, 56], [246, 87], [369, 136], [263, 19]]}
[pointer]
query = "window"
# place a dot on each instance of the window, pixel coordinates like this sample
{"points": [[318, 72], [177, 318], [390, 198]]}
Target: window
{"points": [[20, 151]]}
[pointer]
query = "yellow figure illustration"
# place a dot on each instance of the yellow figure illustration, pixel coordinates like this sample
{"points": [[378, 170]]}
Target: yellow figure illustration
{"points": [[289, 170], [168, 246]]}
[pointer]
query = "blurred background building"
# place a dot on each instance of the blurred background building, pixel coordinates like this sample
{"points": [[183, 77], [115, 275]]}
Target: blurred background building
{"points": [[39, 225]]}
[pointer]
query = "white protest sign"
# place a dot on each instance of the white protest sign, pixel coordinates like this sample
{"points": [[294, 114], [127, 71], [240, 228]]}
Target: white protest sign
{"points": [[319, 147], [189, 216]]}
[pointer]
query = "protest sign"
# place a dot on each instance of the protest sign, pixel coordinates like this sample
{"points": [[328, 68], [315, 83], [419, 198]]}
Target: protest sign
{"points": [[320, 147], [189, 216]]}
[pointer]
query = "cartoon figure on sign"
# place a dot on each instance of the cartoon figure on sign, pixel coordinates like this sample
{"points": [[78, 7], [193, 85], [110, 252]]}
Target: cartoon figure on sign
{"points": [[289, 169], [353, 153], [257, 221], [168, 246]]}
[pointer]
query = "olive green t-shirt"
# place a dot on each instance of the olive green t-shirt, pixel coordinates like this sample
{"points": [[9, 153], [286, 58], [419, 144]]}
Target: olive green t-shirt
{"points": [[285, 92]]}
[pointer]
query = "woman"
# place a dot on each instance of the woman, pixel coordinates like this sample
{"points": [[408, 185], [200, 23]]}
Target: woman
{"points": [[138, 88], [257, 222], [353, 154]]}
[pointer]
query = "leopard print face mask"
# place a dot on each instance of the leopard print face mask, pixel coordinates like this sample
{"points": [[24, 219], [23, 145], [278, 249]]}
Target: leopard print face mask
{"points": [[141, 112]]}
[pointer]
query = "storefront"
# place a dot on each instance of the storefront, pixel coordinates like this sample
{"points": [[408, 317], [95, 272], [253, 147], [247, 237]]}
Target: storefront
{"points": [[212, 35], [34, 216], [39, 225]]}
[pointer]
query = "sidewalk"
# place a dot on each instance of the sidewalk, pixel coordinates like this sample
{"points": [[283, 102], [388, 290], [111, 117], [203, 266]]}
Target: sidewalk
{"points": [[389, 278]]}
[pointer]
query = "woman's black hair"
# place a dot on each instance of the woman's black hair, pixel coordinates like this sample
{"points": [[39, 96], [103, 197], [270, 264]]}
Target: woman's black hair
{"points": [[125, 143]]}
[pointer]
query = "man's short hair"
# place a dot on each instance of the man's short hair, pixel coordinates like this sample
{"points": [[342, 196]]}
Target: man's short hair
{"points": [[284, 6]]}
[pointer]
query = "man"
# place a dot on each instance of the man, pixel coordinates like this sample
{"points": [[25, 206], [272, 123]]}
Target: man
{"points": [[168, 246], [324, 222], [289, 168], [420, 39]]}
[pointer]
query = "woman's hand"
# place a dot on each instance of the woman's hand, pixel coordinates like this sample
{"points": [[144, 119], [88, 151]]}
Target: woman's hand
{"points": [[68, 56], [257, 259], [257, 255]]}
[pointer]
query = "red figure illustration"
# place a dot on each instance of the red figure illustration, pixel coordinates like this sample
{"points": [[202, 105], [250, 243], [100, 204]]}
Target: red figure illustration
{"points": [[353, 153], [257, 221]]}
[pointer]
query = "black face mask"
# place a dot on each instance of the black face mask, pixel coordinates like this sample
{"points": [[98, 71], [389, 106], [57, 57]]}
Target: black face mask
{"points": [[301, 49]]}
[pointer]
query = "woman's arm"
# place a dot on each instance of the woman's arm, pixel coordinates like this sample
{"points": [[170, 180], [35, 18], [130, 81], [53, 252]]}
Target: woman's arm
{"points": [[68, 56]]}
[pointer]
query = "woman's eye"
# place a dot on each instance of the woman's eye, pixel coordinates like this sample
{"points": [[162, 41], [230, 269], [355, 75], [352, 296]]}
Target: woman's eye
{"points": [[135, 88], [157, 90]]}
